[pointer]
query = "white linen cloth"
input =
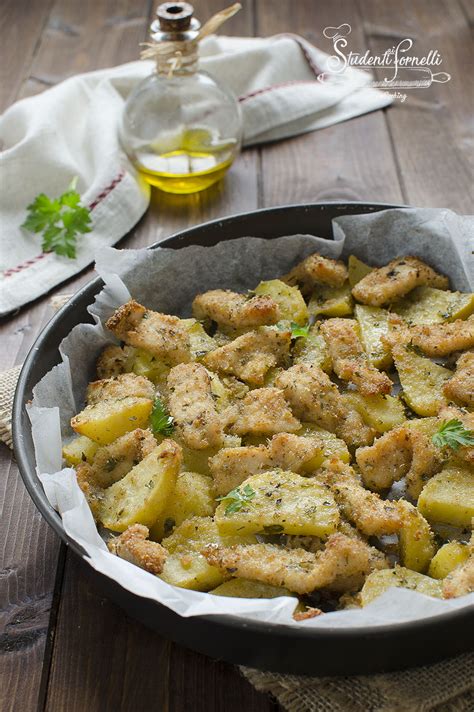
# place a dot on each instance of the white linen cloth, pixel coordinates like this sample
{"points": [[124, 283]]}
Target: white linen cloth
{"points": [[71, 130]]}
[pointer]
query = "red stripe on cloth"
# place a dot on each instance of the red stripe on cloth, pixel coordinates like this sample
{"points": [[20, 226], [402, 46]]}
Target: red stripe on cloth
{"points": [[24, 265]]}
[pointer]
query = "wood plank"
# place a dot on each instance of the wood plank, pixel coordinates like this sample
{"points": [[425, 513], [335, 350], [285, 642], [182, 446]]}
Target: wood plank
{"points": [[21, 25], [431, 130], [350, 161], [87, 35]]}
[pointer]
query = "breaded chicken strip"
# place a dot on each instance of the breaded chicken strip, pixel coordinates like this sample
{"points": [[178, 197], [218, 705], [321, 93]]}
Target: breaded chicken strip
{"points": [[386, 284], [231, 466], [443, 339], [251, 355], [126, 384], [112, 462], [464, 452], [235, 311], [162, 335], [263, 411], [386, 461], [371, 515], [460, 388], [407, 451], [114, 360], [349, 360], [314, 270], [192, 406], [133, 546], [460, 582], [314, 398], [342, 565]]}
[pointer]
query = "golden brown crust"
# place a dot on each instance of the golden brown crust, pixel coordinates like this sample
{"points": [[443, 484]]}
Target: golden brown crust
{"points": [[386, 284], [349, 360], [317, 269], [460, 388], [314, 398], [443, 339], [460, 582], [342, 565], [121, 386], [114, 360], [133, 546], [372, 515], [263, 411], [251, 355], [231, 466], [162, 335], [192, 406], [235, 311]]}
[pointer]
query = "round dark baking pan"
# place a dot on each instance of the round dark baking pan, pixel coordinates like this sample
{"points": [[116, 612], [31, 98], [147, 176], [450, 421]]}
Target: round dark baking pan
{"points": [[278, 648]]}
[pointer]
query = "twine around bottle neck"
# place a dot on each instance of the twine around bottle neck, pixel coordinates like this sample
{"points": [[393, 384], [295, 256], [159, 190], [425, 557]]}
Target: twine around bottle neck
{"points": [[181, 56]]}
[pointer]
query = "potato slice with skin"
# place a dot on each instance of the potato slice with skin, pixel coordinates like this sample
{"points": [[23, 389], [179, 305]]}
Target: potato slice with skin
{"points": [[451, 555], [381, 412], [141, 496], [331, 301], [422, 381], [199, 340], [151, 367], [373, 324], [291, 304], [427, 305], [185, 566], [331, 444], [80, 449], [245, 588], [357, 270], [416, 540], [106, 421], [380, 581], [448, 497], [281, 499], [192, 496]]}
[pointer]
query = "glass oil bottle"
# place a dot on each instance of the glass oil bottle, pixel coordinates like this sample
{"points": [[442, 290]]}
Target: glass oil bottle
{"points": [[180, 128]]}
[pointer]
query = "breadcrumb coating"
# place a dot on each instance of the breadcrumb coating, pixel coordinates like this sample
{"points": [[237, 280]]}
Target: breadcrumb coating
{"points": [[235, 311], [314, 398], [251, 355], [263, 411], [121, 386], [349, 360], [317, 269], [460, 388], [192, 406], [133, 546], [342, 565], [162, 335], [386, 284]]}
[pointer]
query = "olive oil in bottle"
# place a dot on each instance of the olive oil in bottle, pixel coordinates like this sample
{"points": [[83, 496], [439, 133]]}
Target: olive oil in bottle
{"points": [[180, 128]]}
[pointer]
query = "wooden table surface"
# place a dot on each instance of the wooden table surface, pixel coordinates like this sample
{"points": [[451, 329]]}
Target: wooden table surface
{"points": [[63, 646]]}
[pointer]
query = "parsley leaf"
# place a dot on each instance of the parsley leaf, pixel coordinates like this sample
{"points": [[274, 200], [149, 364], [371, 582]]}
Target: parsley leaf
{"points": [[237, 498], [60, 220], [297, 331], [161, 421], [453, 434]]}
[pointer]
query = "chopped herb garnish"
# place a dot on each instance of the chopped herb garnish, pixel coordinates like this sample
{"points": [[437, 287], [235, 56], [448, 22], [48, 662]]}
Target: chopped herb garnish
{"points": [[161, 421], [60, 220], [453, 434], [237, 498], [296, 330]]}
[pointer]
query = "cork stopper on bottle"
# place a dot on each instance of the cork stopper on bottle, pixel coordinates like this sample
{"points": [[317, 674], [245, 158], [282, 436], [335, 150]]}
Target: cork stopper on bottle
{"points": [[175, 16]]}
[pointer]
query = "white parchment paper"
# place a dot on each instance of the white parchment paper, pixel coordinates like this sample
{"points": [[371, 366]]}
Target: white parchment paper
{"points": [[167, 280]]}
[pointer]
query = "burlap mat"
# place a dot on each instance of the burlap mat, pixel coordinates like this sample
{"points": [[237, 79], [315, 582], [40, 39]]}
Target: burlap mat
{"points": [[445, 687]]}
